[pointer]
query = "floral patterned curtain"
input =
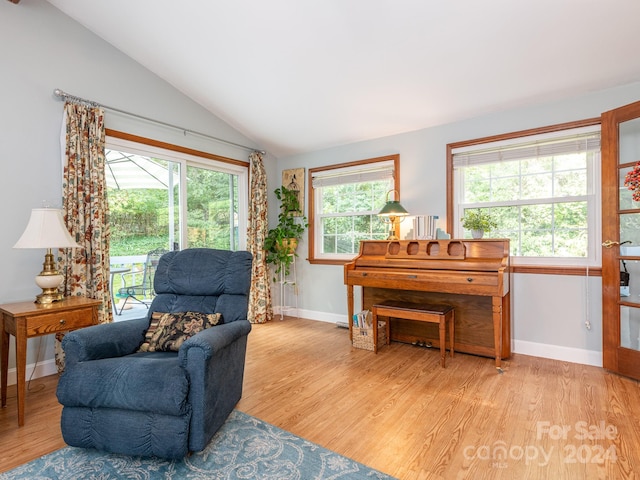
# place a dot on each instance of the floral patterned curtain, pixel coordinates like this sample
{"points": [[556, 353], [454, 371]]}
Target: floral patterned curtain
{"points": [[85, 208], [260, 307]]}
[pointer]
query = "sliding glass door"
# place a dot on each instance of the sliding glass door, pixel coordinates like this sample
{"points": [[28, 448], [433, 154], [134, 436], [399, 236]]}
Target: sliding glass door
{"points": [[162, 200], [143, 196], [212, 208]]}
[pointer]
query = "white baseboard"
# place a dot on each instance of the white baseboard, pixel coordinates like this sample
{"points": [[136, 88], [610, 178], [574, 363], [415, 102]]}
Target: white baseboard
{"points": [[554, 352], [557, 352], [312, 315], [42, 369]]}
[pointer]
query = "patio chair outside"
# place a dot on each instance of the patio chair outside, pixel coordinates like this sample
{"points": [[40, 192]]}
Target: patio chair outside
{"points": [[141, 292]]}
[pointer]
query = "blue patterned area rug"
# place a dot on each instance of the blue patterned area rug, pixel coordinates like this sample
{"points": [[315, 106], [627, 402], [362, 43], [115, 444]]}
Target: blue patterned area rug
{"points": [[244, 448]]}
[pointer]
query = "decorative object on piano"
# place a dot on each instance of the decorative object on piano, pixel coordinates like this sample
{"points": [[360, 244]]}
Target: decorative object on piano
{"points": [[424, 227], [632, 182], [293, 180], [281, 242], [393, 213], [46, 229], [442, 235], [478, 221]]}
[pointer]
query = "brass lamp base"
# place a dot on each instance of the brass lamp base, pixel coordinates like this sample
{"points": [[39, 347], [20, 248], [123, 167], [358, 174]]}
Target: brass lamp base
{"points": [[392, 231], [49, 280], [49, 297]]}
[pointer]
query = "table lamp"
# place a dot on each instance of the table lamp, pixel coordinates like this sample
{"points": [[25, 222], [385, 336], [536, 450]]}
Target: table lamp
{"points": [[393, 213], [46, 229]]}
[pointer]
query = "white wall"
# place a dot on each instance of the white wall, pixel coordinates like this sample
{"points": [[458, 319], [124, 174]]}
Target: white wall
{"points": [[42, 49], [549, 311]]}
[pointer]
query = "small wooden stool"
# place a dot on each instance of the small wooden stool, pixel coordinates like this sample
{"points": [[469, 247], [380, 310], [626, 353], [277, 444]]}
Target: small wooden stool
{"points": [[440, 314]]}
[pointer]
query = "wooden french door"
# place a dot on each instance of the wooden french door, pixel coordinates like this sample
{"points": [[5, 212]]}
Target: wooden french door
{"points": [[621, 242]]}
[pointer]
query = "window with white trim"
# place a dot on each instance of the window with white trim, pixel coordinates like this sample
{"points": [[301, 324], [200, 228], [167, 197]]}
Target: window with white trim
{"points": [[345, 201], [543, 191]]}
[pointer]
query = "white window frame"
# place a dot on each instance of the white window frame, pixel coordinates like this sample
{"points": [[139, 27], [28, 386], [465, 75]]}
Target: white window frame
{"points": [[185, 159], [340, 174], [593, 196]]}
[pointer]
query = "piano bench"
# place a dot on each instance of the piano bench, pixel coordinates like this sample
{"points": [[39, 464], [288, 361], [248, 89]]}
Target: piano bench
{"points": [[440, 314]]}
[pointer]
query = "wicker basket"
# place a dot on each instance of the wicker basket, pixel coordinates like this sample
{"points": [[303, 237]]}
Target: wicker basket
{"points": [[363, 337]]}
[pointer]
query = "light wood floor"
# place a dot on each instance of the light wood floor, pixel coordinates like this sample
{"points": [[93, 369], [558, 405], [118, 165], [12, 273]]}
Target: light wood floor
{"points": [[401, 413]]}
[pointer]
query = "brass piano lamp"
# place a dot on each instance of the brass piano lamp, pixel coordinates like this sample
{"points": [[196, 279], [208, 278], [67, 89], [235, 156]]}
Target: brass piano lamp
{"points": [[393, 213]]}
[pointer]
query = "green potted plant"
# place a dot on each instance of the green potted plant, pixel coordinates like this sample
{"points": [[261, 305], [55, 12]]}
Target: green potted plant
{"points": [[282, 241], [478, 222]]}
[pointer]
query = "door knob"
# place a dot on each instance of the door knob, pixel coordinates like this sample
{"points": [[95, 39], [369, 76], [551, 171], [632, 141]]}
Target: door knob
{"points": [[609, 243]]}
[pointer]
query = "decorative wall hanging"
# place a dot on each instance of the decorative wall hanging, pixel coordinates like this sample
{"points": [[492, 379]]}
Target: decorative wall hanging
{"points": [[293, 179]]}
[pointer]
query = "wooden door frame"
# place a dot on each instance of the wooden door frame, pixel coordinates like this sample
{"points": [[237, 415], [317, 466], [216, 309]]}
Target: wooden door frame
{"points": [[614, 357]]}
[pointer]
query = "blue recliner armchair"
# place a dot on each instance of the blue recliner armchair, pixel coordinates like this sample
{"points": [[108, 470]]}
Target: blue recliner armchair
{"points": [[163, 404]]}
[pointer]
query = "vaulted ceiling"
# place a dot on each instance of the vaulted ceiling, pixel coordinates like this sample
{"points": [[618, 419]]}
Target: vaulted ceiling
{"points": [[303, 75]]}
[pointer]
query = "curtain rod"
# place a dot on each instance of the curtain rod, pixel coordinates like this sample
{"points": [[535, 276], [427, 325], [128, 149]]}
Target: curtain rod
{"points": [[66, 96]]}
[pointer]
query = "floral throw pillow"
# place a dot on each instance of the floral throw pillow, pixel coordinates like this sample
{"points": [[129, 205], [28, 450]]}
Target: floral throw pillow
{"points": [[168, 331]]}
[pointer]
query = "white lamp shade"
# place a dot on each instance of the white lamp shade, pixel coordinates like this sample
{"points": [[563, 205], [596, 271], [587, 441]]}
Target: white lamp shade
{"points": [[46, 229]]}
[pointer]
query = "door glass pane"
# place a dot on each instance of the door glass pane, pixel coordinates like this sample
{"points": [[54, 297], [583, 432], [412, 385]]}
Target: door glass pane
{"points": [[143, 203], [630, 327], [630, 232], [630, 280], [626, 196], [629, 141], [630, 268], [143, 197], [629, 144], [212, 209]]}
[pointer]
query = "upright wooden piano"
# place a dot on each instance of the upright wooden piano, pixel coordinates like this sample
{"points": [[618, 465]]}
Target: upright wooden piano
{"points": [[471, 275]]}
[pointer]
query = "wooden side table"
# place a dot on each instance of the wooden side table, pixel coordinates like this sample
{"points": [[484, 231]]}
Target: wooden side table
{"points": [[29, 319]]}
